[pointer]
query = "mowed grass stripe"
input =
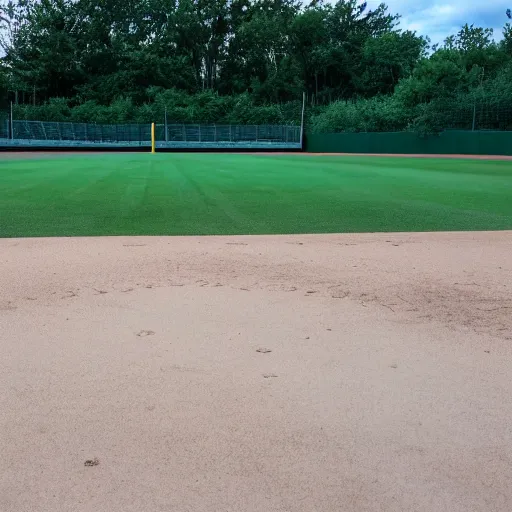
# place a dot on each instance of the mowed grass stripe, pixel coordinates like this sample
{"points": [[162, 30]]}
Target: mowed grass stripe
{"points": [[194, 194]]}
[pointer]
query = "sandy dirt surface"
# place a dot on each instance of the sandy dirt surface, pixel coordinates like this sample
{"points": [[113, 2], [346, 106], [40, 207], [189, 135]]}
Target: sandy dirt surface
{"points": [[292, 373]]}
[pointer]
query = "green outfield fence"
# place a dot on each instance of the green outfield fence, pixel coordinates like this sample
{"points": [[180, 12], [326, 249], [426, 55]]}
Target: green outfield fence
{"points": [[32, 134], [448, 142]]}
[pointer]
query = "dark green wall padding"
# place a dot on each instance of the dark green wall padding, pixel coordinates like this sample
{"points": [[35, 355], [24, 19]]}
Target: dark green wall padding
{"points": [[449, 142]]}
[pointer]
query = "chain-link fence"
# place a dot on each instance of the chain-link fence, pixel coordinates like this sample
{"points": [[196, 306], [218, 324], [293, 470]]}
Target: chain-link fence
{"points": [[477, 110], [228, 134], [469, 113], [44, 133], [80, 132]]}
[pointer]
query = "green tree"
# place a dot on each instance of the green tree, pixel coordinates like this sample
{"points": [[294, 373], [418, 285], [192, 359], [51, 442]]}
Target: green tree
{"points": [[388, 58]]}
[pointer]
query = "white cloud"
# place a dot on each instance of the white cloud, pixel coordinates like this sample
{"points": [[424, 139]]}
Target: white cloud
{"points": [[438, 19]]}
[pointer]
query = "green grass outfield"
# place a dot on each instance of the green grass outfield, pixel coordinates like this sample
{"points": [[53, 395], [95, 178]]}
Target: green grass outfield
{"points": [[206, 194]]}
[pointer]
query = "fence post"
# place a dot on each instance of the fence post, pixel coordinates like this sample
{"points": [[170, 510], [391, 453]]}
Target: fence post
{"points": [[166, 128], [301, 135], [12, 125], [199, 133]]}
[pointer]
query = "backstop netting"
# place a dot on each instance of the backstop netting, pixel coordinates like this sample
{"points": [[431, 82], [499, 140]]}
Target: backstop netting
{"points": [[177, 136]]}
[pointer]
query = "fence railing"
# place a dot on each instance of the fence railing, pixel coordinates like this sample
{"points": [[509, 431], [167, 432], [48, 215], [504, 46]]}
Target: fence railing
{"points": [[86, 132], [172, 135], [227, 133]]}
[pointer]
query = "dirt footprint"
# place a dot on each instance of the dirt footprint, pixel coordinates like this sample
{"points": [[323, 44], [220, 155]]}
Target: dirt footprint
{"points": [[145, 333]]}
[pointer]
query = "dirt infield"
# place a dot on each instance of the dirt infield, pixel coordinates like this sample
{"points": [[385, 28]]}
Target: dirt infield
{"points": [[287, 373]]}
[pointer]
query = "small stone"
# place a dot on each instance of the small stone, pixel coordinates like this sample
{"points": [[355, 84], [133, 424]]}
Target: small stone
{"points": [[92, 462]]}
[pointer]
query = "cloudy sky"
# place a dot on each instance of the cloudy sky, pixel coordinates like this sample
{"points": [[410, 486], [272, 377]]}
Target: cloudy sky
{"points": [[440, 18]]}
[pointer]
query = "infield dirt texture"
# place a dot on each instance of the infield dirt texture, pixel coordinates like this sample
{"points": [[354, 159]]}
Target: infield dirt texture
{"points": [[305, 372]]}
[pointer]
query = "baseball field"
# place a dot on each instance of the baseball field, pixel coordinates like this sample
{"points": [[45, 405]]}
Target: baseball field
{"points": [[221, 194], [342, 344]]}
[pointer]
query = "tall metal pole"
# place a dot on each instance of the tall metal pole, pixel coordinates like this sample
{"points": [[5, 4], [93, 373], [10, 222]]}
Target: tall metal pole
{"points": [[12, 126], [166, 133], [302, 118]]}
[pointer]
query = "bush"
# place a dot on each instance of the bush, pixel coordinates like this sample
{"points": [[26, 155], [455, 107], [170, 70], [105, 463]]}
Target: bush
{"points": [[379, 114], [206, 107], [57, 109]]}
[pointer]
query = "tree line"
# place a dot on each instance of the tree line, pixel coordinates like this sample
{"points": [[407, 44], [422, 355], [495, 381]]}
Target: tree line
{"points": [[246, 61]]}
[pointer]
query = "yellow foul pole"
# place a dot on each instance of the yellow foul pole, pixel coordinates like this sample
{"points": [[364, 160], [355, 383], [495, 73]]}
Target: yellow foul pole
{"points": [[153, 145]]}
